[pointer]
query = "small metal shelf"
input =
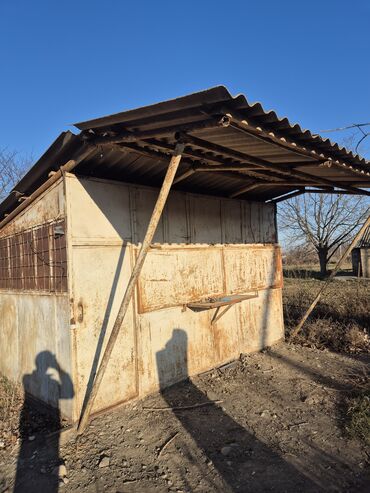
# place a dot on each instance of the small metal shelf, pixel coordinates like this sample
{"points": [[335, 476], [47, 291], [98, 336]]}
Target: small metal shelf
{"points": [[226, 301], [223, 301]]}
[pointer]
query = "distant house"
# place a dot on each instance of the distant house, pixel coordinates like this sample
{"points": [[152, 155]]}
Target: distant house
{"points": [[361, 256], [211, 283]]}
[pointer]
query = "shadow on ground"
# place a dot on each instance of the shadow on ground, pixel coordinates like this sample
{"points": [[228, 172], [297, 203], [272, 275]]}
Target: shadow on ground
{"points": [[238, 456]]}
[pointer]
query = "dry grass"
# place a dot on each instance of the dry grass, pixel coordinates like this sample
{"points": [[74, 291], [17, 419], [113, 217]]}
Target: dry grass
{"points": [[14, 408], [11, 399], [358, 414], [340, 321], [358, 407], [9, 396]]}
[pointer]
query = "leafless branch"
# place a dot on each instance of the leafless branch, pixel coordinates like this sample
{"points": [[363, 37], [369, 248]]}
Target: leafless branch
{"points": [[12, 168], [324, 221]]}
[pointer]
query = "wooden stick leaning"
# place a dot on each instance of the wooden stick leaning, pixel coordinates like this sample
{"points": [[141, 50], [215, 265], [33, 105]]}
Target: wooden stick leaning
{"points": [[165, 445], [153, 223], [183, 408], [332, 274]]}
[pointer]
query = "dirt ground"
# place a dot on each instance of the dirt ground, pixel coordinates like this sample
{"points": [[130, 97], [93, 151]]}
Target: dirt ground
{"points": [[278, 424]]}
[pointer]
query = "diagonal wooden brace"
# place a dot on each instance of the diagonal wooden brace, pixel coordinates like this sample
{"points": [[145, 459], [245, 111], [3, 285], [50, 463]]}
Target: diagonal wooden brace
{"points": [[153, 223], [331, 276]]}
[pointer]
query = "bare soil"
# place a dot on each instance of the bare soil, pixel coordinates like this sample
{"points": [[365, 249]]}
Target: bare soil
{"points": [[278, 424]]}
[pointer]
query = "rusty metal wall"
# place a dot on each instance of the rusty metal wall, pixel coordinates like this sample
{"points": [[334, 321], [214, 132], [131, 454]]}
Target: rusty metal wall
{"points": [[204, 245], [248, 326], [100, 276], [176, 275], [121, 213], [34, 323], [49, 206]]}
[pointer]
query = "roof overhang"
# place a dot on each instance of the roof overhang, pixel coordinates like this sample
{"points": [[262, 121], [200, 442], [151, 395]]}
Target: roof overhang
{"points": [[233, 149]]}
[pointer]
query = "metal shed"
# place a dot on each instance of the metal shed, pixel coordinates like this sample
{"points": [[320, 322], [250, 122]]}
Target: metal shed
{"points": [[361, 256], [74, 236]]}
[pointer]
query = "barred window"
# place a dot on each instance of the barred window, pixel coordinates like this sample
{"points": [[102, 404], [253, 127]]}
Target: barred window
{"points": [[35, 259]]}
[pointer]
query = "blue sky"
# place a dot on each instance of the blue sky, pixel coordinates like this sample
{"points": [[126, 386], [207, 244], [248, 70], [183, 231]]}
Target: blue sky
{"points": [[68, 61]]}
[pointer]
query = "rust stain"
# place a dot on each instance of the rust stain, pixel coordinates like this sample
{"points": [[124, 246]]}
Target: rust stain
{"points": [[215, 271], [80, 311]]}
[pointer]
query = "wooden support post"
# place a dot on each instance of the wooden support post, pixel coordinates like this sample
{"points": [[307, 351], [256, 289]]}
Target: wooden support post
{"points": [[332, 274], [288, 196], [153, 223], [245, 189], [185, 175]]}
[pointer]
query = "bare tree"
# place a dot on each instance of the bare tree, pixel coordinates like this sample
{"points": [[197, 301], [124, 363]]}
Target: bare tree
{"points": [[12, 168], [326, 221], [357, 133]]}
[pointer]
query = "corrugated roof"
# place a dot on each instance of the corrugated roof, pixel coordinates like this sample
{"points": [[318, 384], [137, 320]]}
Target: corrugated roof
{"points": [[212, 99], [254, 146]]}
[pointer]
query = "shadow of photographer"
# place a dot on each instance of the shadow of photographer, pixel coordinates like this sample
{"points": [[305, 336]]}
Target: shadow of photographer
{"points": [[48, 378]]}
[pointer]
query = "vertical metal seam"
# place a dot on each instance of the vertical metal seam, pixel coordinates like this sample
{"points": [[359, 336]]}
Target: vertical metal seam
{"points": [[137, 338], [222, 220], [71, 292]]}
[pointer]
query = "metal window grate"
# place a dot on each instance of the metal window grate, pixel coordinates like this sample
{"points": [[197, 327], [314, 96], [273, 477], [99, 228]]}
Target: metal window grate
{"points": [[35, 259]]}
